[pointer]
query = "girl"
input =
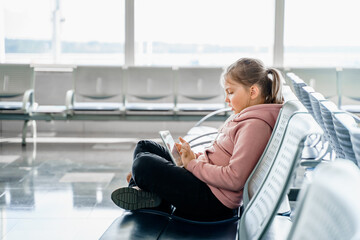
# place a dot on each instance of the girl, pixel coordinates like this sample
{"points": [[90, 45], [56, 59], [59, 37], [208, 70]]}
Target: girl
{"points": [[210, 185]]}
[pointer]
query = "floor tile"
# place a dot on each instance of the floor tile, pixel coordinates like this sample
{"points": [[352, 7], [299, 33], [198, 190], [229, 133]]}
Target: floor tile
{"points": [[87, 177]]}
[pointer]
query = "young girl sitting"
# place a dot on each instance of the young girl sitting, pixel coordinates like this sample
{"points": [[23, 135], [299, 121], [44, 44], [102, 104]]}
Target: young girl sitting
{"points": [[209, 185]]}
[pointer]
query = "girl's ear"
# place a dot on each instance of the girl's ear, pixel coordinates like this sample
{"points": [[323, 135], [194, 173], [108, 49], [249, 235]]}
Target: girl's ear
{"points": [[254, 92]]}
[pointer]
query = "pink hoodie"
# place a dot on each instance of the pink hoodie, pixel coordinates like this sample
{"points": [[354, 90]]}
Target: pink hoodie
{"points": [[226, 165]]}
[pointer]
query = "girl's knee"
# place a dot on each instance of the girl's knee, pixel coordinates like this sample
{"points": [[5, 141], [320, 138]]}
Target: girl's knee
{"points": [[141, 163]]}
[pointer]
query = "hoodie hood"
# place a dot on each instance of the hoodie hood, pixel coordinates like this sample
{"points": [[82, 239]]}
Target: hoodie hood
{"points": [[266, 112]]}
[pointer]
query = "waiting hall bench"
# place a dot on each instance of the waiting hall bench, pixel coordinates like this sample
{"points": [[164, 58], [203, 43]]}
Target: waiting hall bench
{"points": [[257, 218]]}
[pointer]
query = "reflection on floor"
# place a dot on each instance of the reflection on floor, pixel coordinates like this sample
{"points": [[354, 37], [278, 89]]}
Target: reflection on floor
{"points": [[59, 188]]}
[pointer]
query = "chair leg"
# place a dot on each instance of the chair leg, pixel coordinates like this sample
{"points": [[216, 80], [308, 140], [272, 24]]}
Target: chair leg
{"points": [[24, 130], [34, 129]]}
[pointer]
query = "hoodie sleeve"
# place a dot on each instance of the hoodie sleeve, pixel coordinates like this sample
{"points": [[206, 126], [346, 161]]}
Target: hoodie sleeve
{"points": [[249, 143]]}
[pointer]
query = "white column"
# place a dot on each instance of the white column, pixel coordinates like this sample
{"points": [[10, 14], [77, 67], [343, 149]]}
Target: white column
{"points": [[56, 37], [2, 32], [278, 60], [129, 33]]}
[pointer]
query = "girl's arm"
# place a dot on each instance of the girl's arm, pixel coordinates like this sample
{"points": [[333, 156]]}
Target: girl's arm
{"points": [[249, 143]]}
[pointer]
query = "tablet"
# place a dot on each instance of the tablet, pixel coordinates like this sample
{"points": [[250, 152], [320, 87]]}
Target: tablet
{"points": [[171, 148]]}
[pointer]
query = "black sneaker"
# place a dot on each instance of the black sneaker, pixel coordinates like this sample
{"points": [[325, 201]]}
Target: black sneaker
{"points": [[132, 199]]}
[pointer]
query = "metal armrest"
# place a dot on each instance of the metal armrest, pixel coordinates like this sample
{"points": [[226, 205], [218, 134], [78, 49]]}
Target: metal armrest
{"points": [[28, 100], [211, 115], [201, 136], [69, 100]]}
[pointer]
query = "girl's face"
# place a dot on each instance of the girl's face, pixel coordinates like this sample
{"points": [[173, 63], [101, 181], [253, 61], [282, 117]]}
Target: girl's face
{"points": [[237, 95]]}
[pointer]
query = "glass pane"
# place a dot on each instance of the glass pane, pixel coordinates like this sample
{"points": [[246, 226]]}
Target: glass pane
{"points": [[93, 32], [28, 30], [323, 35], [202, 32]]}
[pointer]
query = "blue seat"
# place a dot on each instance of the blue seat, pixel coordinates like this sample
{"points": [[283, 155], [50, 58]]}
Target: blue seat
{"points": [[343, 122], [296, 83], [305, 98], [327, 109]]}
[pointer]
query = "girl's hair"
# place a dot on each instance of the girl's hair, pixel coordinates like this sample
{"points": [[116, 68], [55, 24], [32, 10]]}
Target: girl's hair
{"points": [[250, 71]]}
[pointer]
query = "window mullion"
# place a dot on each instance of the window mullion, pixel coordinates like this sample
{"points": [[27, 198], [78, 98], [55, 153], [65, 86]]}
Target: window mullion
{"points": [[278, 57], [129, 33], [2, 33]]}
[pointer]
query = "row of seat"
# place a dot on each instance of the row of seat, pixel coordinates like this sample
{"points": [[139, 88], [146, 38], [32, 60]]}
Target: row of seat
{"points": [[337, 84], [116, 93], [132, 88], [341, 128], [264, 195]]}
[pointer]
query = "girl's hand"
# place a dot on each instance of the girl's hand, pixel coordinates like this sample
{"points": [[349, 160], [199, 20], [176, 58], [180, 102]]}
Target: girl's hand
{"points": [[185, 151]]}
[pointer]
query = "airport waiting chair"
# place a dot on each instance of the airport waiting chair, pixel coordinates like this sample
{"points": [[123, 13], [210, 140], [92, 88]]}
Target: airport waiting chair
{"points": [[94, 87], [296, 83], [198, 89], [262, 208], [17, 85], [258, 215], [267, 159], [322, 80], [149, 89], [328, 208], [349, 81], [328, 109], [315, 99], [343, 122], [305, 98], [355, 140]]}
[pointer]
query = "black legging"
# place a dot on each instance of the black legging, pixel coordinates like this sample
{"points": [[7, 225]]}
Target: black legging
{"points": [[153, 171]]}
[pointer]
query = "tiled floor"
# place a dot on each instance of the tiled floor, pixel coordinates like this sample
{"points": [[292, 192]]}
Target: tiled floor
{"points": [[59, 188]]}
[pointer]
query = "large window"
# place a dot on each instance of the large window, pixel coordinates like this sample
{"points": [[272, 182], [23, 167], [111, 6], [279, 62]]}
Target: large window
{"points": [[64, 31], [27, 30], [93, 32], [203, 32], [322, 33], [318, 33]]}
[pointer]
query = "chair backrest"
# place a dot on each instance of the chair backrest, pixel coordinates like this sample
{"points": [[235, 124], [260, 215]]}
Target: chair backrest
{"points": [[323, 80], [266, 160], [327, 109], [98, 82], [315, 99], [288, 93], [199, 84], [305, 98], [342, 123], [297, 83], [149, 83], [262, 208], [328, 208], [355, 140], [15, 79]]}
